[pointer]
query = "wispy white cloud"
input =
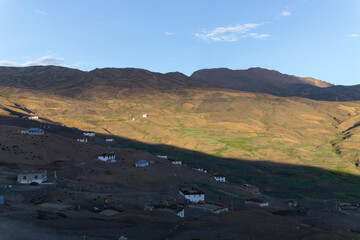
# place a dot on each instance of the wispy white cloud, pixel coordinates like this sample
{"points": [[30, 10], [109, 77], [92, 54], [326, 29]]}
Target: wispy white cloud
{"points": [[258, 36], [41, 12], [230, 34], [43, 61], [285, 13], [354, 35], [169, 33]]}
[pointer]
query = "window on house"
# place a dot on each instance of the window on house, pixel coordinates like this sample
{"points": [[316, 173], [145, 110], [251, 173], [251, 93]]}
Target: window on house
{"points": [[24, 177], [36, 176]]}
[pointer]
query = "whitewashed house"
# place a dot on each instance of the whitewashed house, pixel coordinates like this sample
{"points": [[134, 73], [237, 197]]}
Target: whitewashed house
{"points": [[111, 157], [89, 134], [109, 140], [30, 117], [82, 140], [162, 156], [35, 131], [141, 163], [192, 194], [145, 115], [175, 162], [31, 176], [200, 169], [219, 178]]}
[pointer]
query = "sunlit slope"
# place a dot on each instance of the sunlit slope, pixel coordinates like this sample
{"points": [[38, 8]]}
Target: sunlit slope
{"points": [[219, 122]]}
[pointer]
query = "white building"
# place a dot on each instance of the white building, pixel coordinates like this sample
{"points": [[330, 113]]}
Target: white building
{"points": [[162, 156], [109, 139], [175, 162], [200, 170], [107, 157], [31, 176], [30, 117], [35, 131], [141, 163], [89, 134], [82, 140], [219, 178], [192, 194], [145, 115]]}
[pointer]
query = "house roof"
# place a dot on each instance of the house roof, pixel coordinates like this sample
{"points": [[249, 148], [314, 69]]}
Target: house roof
{"points": [[35, 129], [142, 162], [107, 154], [191, 191], [33, 172], [173, 160], [218, 175]]}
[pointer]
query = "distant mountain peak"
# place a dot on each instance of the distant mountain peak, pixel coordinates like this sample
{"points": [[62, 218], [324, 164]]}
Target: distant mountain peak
{"points": [[254, 79]]}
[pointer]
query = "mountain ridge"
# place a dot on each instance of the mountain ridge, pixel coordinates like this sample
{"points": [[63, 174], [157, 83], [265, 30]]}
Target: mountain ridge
{"points": [[76, 83]]}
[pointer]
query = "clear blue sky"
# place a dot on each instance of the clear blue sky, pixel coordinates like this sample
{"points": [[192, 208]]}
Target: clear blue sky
{"points": [[317, 38]]}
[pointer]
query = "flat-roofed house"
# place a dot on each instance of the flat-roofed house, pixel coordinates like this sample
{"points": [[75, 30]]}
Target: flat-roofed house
{"points": [[219, 177], [107, 157], [192, 194], [175, 162], [35, 131], [199, 169], [141, 163], [27, 177], [89, 134]]}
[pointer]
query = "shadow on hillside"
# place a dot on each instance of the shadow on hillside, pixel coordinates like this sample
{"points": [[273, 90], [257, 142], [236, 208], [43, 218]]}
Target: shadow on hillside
{"points": [[280, 180]]}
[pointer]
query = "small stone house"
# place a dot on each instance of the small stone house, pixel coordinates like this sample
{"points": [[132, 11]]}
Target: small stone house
{"points": [[141, 163], [107, 157], [175, 162], [291, 203], [200, 169], [192, 194], [30, 117], [35, 131], [219, 178], [89, 134], [27, 177]]}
